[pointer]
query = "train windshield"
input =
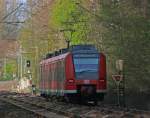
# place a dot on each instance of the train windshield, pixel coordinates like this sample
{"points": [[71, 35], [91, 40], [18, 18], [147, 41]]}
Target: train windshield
{"points": [[86, 68]]}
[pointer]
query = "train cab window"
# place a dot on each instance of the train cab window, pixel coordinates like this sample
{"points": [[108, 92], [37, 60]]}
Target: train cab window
{"points": [[86, 68]]}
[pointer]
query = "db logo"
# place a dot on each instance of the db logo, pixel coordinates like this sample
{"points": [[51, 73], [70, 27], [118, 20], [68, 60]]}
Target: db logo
{"points": [[86, 81]]}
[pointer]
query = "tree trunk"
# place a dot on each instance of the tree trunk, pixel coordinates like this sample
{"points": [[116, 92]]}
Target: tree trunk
{"points": [[144, 6]]}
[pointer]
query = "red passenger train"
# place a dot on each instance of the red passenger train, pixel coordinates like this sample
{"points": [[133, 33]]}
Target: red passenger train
{"points": [[75, 73]]}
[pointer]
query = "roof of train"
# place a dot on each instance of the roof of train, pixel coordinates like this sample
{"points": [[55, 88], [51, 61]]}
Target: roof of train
{"points": [[59, 57], [73, 49]]}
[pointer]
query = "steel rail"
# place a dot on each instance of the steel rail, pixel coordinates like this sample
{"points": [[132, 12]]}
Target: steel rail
{"points": [[72, 110], [37, 110]]}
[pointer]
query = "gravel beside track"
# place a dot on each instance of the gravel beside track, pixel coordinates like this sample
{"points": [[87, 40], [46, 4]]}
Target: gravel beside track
{"points": [[34, 109], [10, 111], [51, 109]]}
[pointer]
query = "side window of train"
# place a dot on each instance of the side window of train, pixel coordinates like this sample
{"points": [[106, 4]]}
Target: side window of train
{"points": [[49, 71], [60, 76], [63, 69], [43, 75], [46, 72], [52, 71], [57, 71], [40, 72]]}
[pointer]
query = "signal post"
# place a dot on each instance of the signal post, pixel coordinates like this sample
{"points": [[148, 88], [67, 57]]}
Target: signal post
{"points": [[120, 83]]}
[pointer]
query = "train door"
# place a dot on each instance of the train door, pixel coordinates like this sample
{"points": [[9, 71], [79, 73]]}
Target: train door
{"points": [[49, 78], [52, 78], [58, 77], [62, 67]]}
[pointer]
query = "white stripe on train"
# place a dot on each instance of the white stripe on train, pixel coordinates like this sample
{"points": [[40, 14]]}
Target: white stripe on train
{"points": [[68, 91]]}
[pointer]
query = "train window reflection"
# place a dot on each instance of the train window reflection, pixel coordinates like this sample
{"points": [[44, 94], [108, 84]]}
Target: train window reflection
{"points": [[86, 68]]}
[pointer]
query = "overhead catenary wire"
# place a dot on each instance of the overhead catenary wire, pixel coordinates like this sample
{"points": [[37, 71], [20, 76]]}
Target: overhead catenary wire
{"points": [[12, 12]]}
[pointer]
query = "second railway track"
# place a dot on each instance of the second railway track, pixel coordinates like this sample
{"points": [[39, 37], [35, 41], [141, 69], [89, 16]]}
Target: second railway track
{"points": [[39, 111], [46, 109]]}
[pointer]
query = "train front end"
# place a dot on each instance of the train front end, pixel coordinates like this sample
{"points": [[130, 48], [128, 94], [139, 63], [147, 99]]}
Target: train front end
{"points": [[90, 72]]}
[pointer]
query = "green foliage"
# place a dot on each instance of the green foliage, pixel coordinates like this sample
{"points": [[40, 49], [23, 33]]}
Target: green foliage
{"points": [[127, 37], [68, 15], [7, 77], [9, 69], [62, 11], [117, 28]]}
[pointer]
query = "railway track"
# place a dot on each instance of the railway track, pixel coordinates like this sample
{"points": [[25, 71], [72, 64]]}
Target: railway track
{"points": [[37, 107], [47, 109], [39, 111]]}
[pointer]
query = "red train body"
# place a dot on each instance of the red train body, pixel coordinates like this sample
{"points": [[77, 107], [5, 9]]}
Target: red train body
{"points": [[77, 73]]}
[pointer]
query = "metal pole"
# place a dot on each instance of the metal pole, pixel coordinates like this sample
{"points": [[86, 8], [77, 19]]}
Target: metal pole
{"points": [[37, 71], [118, 100], [18, 66], [5, 62], [20, 54], [19, 62], [68, 44], [124, 97]]}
